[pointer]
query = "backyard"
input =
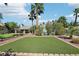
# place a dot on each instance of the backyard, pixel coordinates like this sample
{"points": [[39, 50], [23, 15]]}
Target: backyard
{"points": [[37, 31], [40, 45]]}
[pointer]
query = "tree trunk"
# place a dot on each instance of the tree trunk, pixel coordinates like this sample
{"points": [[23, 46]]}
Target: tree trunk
{"points": [[33, 28], [75, 20], [37, 24]]}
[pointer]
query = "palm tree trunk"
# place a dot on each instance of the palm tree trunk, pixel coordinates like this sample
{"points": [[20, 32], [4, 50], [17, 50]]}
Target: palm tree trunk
{"points": [[75, 20], [37, 24], [32, 26]]}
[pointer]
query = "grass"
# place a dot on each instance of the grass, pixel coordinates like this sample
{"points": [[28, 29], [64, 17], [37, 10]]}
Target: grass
{"points": [[40, 45], [4, 36]]}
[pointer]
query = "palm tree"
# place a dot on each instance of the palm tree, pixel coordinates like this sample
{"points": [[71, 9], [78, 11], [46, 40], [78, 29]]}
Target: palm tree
{"points": [[1, 17], [37, 8], [31, 17], [76, 11]]}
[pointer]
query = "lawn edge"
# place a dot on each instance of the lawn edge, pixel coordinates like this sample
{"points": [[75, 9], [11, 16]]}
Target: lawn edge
{"points": [[67, 42]]}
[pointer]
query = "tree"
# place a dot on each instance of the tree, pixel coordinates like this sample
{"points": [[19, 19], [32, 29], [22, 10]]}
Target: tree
{"points": [[76, 11], [33, 28], [41, 28], [62, 20], [1, 17], [49, 27], [31, 17], [71, 31], [11, 26], [37, 8], [58, 28]]}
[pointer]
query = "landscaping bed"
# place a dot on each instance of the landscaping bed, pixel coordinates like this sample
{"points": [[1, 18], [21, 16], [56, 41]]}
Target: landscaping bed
{"points": [[6, 36], [64, 37], [3, 36], [41, 45]]}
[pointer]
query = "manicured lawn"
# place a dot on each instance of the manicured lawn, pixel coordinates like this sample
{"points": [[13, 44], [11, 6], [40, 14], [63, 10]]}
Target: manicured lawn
{"points": [[3, 36], [40, 45]]}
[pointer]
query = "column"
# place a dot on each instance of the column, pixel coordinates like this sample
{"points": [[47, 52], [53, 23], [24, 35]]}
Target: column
{"points": [[23, 31]]}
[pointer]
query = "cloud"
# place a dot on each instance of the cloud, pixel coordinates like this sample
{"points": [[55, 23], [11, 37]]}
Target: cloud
{"points": [[43, 20], [14, 9], [76, 5], [70, 15]]}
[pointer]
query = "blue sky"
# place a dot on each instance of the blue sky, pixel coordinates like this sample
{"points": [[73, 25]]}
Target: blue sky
{"points": [[55, 10], [52, 11]]}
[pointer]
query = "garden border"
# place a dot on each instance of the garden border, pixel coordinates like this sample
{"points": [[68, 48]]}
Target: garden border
{"points": [[67, 42]]}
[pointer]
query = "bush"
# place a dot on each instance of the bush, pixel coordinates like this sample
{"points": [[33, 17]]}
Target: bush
{"points": [[49, 27], [32, 29], [58, 28], [75, 40], [76, 32], [4, 36], [71, 31]]}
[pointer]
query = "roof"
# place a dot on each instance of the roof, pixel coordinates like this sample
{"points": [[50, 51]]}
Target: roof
{"points": [[24, 27]]}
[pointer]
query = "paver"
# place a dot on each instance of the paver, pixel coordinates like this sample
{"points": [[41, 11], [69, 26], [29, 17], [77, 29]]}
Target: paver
{"points": [[45, 54], [61, 54]]}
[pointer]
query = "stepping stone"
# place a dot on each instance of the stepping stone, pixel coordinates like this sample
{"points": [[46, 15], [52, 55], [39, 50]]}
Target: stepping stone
{"points": [[76, 54], [20, 54], [31, 54], [51, 54], [35, 54], [56, 54], [45, 54], [61, 54], [66, 54], [25, 54], [72, 54], [39, 54]]}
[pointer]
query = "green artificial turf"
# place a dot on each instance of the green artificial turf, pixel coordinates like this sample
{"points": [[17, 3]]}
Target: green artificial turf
{"points": [[4, 36], [40, 45]]}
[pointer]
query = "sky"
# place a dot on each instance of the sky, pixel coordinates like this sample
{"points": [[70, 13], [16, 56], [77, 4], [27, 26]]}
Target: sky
{"points": [[18, 12]]}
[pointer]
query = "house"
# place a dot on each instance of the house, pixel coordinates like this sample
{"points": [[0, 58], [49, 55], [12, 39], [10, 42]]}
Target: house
{"points": [[22, 29]]}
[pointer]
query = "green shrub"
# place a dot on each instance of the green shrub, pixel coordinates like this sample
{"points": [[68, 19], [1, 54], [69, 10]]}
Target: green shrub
{"points": [[72, 30], [58, 28], [49, 27], [4, 36]]}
